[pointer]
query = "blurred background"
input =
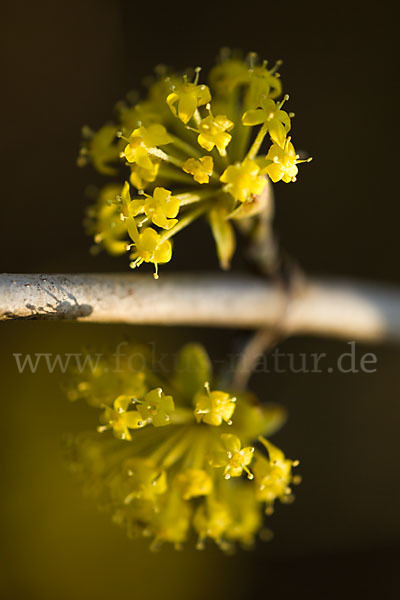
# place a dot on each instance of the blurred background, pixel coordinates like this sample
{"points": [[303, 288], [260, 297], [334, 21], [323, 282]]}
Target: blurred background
{"points": [[66, 64]]}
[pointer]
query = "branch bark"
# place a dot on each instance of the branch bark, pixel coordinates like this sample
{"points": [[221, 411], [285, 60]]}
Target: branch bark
{"points": [[336, 308]]}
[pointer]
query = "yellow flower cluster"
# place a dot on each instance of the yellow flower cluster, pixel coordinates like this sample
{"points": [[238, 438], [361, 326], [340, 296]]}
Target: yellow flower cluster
{"points": [[197, 150], [172, 456]]}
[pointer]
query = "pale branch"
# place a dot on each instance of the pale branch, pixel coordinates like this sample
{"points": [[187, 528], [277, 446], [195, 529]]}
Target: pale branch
{"points": [[325, 307]]}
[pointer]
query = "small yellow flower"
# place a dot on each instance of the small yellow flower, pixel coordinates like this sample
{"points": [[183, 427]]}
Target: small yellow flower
{"points": [[200, 168], [111, 230], [141, 177], [156, 408], [189, 97], [278, 120], [233, 457], [246, 515], [99, 384], [211, 520], [243, 180], [264, 82], [102, 149], [161, 208], [172, 522], [120, 420], [142, 140], [104, 222], [144, 480], [194, 482], [273, 476], [228, 75], [149, 247], [284, 162], [212, 132], [214, 407], [162, 86]]}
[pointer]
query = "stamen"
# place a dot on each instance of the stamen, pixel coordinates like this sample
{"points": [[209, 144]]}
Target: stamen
{"points": [[275, 67], [196, 77], [252, 58], [120, 135], [282, 102], [103, 428]]}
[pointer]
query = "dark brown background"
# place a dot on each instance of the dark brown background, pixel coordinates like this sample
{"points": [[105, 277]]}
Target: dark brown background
{"points": [[65, 64]]}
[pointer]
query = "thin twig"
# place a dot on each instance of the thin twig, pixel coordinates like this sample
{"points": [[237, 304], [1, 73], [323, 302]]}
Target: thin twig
{"points": [[264, 340], [261, 342], [336, 308]]}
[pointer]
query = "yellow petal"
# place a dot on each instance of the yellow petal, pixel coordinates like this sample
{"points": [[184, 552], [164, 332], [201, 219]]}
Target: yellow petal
{"points": [[134, 420], [231, 442], [205, 142], [186, 107], [254, 117]]}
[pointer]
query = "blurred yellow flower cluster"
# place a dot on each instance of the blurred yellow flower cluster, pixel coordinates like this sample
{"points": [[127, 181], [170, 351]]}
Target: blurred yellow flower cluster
{"points": [[196, 149], [173, 456]]}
